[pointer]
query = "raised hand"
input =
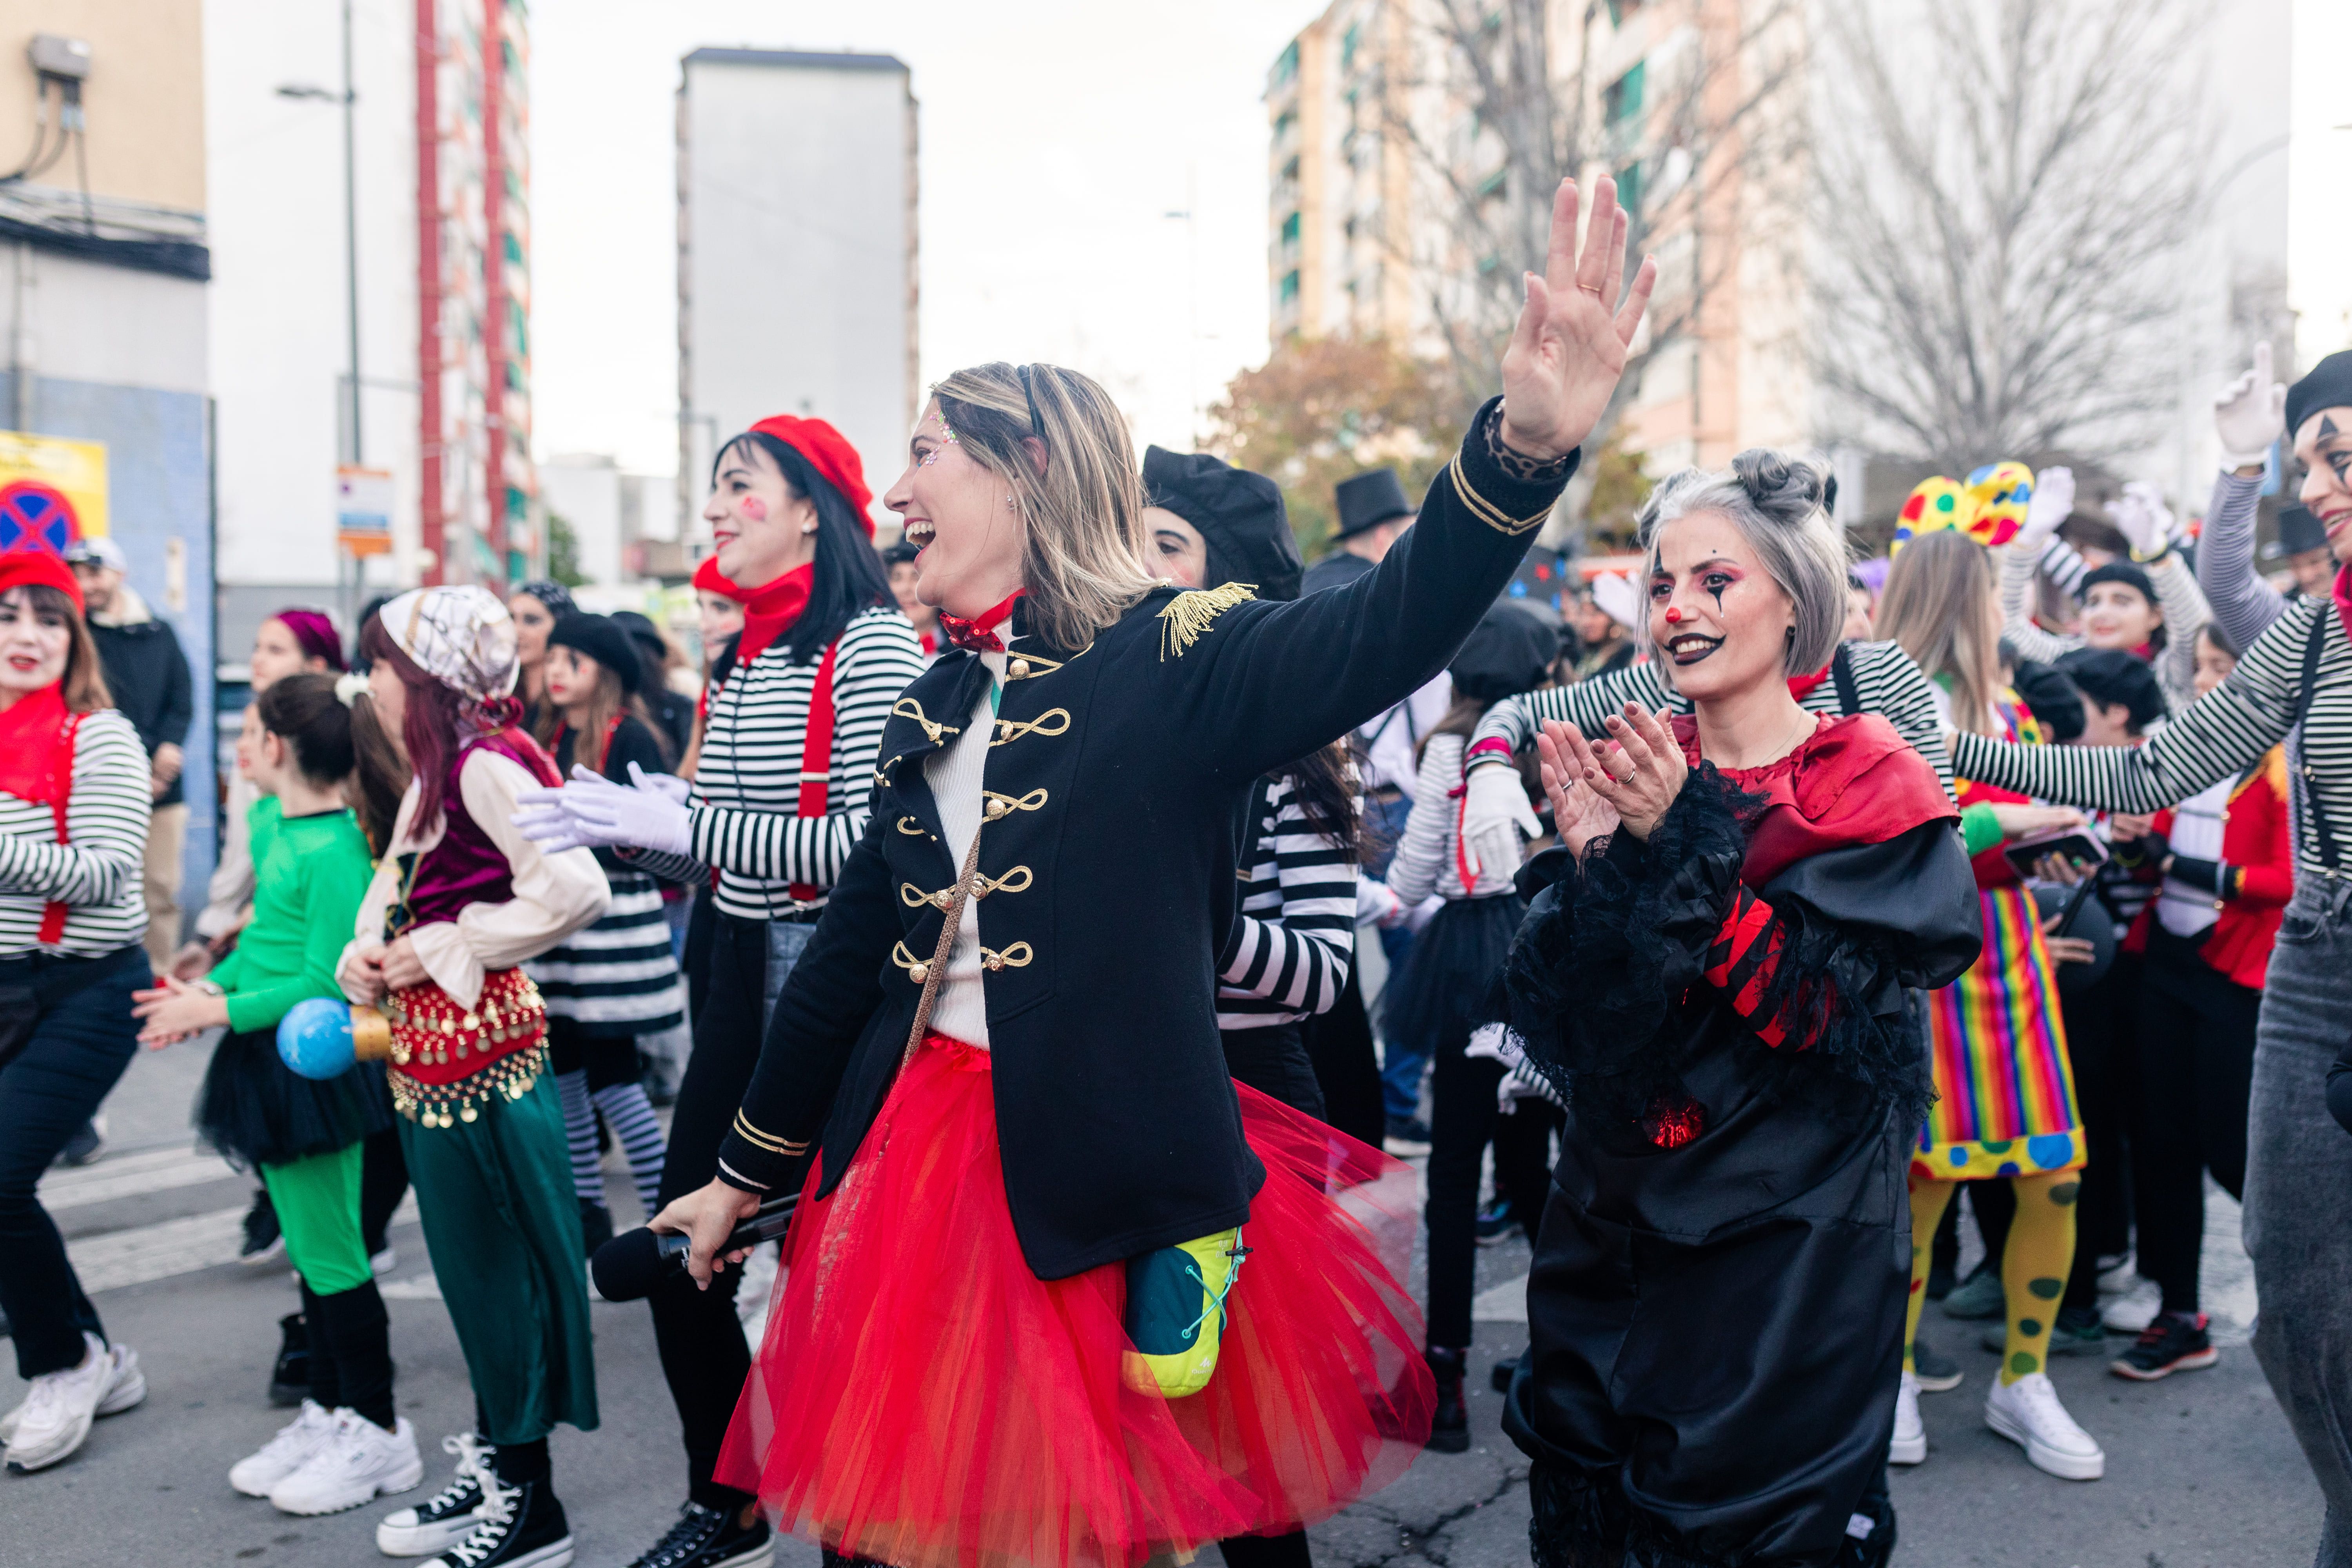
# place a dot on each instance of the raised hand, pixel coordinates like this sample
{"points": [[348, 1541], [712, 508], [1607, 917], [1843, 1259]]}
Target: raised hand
{"points": [[2250, 414], [2140, 515], [1569, 349], [1577, 809], [2051, 504], [1639, 776]]}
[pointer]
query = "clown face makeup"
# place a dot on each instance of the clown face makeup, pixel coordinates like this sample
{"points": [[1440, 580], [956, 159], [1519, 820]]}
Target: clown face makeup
{"points": [[1718, 620]]}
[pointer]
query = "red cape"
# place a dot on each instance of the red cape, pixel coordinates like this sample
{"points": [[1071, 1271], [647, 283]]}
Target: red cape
{"points": [[1854, 781]]}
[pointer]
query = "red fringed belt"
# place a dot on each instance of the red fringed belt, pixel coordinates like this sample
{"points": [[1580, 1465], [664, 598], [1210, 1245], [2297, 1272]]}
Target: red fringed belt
{"points": [[445, 1058]]}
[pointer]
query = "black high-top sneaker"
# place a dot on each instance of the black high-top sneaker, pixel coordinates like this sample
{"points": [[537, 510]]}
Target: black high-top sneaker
{"points": [[708, 1538], [289, 1375], [1449, 1428], [518, 1526], [449, 1515]]}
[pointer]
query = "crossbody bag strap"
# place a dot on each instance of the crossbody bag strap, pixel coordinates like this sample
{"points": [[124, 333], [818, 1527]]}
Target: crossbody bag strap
{"points": [[816, 748], [1841, 676], [2320, 827], [935, 971], [53, 913]]}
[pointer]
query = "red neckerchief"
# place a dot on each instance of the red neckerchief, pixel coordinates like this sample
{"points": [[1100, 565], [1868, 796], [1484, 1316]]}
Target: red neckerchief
{"points": [[931, 641], [2145, 652], [2343, 594], [979, 635], [1801, 686], [769, 611], [36, 758]]}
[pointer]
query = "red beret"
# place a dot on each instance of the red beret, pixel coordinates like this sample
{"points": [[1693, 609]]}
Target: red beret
{"points": [[830, 454], [35, 567], [709, 580]]}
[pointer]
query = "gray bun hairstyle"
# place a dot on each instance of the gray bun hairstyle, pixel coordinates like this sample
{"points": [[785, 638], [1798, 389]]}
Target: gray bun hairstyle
{"points": [[1780, 502]]}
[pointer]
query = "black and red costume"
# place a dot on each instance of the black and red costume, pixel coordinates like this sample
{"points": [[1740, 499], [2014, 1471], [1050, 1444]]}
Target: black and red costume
{"points": [[1715, 1306]]}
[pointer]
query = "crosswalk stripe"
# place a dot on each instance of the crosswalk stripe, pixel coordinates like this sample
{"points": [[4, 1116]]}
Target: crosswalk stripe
{"points": [[132, 1176], [150, 1252]]}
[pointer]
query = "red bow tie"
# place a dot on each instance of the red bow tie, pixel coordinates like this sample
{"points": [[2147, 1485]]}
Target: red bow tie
{"points": [[979, 635]]}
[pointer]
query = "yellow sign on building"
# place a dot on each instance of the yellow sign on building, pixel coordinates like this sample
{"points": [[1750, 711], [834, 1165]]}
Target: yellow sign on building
{"points": [[51, 489]]}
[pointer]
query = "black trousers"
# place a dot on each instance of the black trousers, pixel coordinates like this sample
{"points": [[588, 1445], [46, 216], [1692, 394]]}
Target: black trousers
{"points": [[384, 1181], [2103, 1044], [1462, 1120], [702, 1350], [1347, 1067], [83, 1036], [2195, 1075], [1273, 1060]]}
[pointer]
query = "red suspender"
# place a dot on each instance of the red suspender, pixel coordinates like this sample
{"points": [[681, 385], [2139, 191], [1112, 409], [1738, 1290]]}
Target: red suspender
{"points": [[817, 753], [53, 914]]}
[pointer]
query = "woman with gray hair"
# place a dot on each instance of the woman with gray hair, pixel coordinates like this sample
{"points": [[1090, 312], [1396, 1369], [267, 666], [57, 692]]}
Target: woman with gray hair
{"points": [[1712, 972]]}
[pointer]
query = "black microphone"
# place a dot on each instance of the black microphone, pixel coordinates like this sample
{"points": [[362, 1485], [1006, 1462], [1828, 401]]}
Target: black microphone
{"points": [[628, 1266]]}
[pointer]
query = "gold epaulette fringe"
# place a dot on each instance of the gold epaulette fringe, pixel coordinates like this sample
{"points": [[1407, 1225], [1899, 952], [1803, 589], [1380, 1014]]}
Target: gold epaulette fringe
{"points": [[1190, 613]]}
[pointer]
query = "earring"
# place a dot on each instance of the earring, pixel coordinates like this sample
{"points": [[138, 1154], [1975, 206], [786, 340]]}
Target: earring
{"points": [[808, 528]]}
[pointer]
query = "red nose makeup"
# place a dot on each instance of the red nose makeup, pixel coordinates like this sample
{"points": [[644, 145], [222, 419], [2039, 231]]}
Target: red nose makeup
{"points": [[1673, 615]]}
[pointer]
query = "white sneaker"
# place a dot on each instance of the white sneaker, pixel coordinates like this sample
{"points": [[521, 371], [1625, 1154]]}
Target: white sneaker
{"points": [[257, 1474], [358, 1461], [385, 1262], [2028, 1413], [126, 1386], [54, 1421], [1910, 1445]]}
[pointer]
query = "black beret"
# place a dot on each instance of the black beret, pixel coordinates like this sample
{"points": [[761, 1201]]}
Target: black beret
{"points": [[1510, 651], [2050, 697], [1240, 516], [605, 640], [2329, 385], [2112, 678], [2123, 571]]}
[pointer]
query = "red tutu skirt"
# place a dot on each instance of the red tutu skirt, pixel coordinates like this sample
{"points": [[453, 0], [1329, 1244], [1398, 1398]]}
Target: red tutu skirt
{"points": [[923, 1400]]}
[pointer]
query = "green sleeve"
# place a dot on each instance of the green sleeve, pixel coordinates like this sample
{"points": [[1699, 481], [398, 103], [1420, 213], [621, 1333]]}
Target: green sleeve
{"points": [[224, 973], [1980, 830], [335, 881]]}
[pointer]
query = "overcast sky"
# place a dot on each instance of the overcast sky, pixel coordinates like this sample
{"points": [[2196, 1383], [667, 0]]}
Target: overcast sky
{"points": [[1057, 134]]}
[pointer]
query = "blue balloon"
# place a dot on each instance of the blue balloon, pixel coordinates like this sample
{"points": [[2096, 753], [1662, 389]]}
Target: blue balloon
{"points": [[314, 1038]]}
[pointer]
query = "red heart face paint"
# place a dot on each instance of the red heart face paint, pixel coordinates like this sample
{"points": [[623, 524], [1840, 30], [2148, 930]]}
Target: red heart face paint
{"points": [[754, 508]]}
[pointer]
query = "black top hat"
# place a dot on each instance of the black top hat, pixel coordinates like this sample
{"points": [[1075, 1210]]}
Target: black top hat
{"points": [[1370, 499], [1240, 516], [2299, 531], [1509, 651]]}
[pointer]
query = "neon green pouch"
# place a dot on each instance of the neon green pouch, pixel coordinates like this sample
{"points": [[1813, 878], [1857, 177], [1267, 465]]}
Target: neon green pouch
{"points": [[1176, 1313]]}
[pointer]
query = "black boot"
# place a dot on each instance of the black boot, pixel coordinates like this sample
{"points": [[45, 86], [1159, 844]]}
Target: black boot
{"points": [[1505, 1370], [595, 1226], [709, 1537], [1449, 1429], [289, 1376]]}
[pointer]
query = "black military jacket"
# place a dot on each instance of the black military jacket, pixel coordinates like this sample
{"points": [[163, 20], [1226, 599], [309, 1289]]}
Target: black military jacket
{"points": [[1108, 840]]}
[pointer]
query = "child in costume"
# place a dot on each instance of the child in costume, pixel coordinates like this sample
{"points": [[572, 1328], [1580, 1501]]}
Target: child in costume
{"points": [[310, 869], [460, 901], [1717, 980], [619, 978], [2005, 1097]]}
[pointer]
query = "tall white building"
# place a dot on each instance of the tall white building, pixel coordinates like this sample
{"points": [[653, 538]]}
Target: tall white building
{"points": [[796, 258]]}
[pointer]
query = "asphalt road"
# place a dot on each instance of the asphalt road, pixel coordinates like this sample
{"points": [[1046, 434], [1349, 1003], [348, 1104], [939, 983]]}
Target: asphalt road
{"points": [[2200, 1468]]}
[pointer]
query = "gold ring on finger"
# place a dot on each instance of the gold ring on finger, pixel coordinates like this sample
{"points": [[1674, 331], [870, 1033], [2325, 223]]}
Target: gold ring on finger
{"points": [[1592, 289]]}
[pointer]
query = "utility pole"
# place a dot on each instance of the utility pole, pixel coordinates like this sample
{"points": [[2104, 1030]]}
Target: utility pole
{"points": [[351, 233]]}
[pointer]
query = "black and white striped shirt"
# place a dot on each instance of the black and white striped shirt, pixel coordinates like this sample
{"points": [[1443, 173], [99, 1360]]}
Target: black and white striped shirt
{"points": [[1288, 956], [1885, 682], [747, 787], [2218, 736], [96, 871]]}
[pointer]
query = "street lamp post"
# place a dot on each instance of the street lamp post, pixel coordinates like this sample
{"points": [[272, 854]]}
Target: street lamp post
{"points": [[348, 98]]}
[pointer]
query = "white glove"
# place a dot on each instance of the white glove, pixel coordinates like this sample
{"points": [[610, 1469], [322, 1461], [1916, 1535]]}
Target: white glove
{"points": [[1375, 904], [599, 814], [2051, 504], [1614, 593], [1422, 913], [669, 786], [2251, 414], [2140, 515], [550, 826], [1495, 812]]}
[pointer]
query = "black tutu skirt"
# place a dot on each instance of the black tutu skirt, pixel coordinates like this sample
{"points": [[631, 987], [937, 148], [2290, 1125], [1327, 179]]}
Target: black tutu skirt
{"points": [[1437, 995], [253, 1110]]}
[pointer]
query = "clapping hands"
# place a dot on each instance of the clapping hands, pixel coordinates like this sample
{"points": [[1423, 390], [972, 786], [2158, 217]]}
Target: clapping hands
{"points": [[1637, 772]]}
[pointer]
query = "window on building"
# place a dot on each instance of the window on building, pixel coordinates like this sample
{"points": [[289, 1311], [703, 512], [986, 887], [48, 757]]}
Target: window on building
{"points": [[1348, 45], [1623, 100], [1286, 65], [1629, 187], [1284, 123], [1289, 289], [1290, 170], [1621, 9], [1290, 229]]}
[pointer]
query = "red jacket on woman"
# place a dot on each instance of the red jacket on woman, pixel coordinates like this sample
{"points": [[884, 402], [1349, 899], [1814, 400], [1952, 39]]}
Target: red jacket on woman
{"points": [[2258, 874]]}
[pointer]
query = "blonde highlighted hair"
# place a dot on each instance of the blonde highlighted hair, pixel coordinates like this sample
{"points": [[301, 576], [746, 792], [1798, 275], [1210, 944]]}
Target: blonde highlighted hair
{"points": [[1085, 558], [1938, 604]]}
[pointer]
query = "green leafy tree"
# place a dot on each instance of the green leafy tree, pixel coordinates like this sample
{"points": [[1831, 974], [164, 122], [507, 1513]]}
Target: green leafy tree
{"points": [[1321, 409], [564, 553]]}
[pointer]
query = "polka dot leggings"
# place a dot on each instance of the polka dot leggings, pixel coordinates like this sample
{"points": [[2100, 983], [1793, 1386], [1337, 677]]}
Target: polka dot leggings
{"points": [[2034, 1266]]}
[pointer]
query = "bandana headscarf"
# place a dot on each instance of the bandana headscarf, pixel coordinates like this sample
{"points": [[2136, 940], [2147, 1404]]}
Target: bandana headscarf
{"points": [[314, 633], [464, 638], [553, 594]]}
